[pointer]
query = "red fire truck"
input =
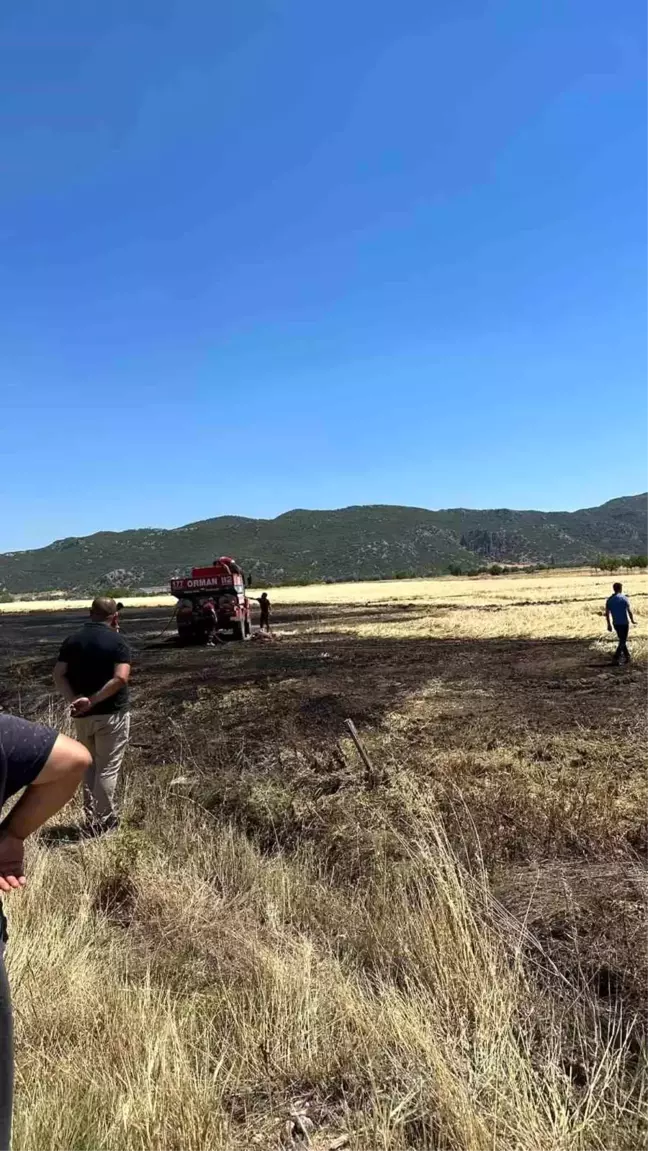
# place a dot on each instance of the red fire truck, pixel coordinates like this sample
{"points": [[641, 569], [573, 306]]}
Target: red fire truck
{"points": [[212, 598]]}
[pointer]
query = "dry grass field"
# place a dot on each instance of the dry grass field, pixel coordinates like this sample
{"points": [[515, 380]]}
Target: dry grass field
{"points": [[284, 946], [23, 607], [539, 606]]}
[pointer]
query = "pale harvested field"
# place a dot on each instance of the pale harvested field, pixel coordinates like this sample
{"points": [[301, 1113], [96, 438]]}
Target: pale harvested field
{"points": [[540, 587], [22, 607], [551, 603], [524, 607]]}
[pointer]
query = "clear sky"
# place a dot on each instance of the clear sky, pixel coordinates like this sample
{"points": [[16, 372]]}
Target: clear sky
{"points": [[286, 253]]}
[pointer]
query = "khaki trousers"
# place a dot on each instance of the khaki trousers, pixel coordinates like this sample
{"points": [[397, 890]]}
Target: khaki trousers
{"points": [[106, 738]]}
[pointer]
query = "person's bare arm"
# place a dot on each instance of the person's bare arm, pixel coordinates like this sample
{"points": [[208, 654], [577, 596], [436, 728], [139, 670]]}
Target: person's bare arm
{"points": [[62, 683], [607, 616], [632, 618], [82, 705], [54, 785]]}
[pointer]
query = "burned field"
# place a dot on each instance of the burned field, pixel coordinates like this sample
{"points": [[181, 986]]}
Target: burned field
{"points": [[523, 758]]}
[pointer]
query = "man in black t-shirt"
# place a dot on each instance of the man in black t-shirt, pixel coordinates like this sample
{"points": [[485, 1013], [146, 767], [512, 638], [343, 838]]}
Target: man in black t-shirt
{"points": [[92, 673], [49, 766]]}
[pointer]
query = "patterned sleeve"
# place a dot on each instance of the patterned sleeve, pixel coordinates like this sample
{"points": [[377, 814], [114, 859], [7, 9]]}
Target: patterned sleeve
{"points": [[24, 749]]}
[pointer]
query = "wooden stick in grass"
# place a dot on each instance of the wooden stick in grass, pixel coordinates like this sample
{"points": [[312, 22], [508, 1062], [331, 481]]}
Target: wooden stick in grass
{"points": [[371, 776]]}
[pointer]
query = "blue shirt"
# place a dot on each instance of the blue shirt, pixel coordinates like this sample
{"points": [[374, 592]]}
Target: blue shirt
{"points": [[618, 606]]}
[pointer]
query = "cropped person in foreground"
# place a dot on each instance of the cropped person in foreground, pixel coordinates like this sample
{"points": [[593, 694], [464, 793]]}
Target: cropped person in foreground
{"points": [[92, 674], [618, 612], [50, 767]]}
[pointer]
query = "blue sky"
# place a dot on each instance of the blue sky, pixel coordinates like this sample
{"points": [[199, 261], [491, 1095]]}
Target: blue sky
{"points": [[281, 254]]}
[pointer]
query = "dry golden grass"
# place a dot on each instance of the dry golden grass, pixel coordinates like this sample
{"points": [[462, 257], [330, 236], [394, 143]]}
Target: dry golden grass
{"points": [[177, 988], [20, 607], [527, 607], [550, 604]]}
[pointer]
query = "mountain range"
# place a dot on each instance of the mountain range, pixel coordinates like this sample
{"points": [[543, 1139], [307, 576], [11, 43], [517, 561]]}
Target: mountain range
{"points": [[376, 540]]}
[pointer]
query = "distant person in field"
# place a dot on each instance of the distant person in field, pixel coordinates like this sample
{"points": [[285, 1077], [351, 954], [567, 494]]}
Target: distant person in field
{"points": [[92, 674], [619, 612], [264, 604], [49, 767]]}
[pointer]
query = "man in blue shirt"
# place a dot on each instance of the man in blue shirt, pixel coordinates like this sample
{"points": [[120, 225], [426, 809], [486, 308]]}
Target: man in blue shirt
{"points": [[618, 610]]}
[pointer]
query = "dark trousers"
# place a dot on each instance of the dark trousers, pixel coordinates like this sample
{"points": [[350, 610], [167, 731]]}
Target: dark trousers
{"points": [[6, 1056], [622, 630], [265, 620]]}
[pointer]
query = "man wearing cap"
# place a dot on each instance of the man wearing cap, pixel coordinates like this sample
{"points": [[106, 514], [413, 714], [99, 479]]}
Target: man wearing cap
{"points": [[92, 674]]}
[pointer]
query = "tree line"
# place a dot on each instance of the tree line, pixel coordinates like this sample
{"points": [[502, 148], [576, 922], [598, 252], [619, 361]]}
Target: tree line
{"points": [[613, 563]]}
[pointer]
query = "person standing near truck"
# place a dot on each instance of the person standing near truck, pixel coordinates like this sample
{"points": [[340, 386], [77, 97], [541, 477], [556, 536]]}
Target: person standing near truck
{"points": [[50, 768], [92, 674], [264, 604], [209, 621], [619, 612]]}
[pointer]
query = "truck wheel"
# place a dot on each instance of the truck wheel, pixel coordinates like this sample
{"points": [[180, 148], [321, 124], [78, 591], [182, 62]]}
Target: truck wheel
{"points": [[239, 630], [248, 628]]}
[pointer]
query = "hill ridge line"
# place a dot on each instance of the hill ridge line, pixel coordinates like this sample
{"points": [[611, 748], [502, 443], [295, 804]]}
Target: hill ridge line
{"points": [[360, 541]]}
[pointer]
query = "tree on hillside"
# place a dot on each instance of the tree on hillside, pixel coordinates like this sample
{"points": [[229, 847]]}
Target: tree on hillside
{"points": [[608, 563]]}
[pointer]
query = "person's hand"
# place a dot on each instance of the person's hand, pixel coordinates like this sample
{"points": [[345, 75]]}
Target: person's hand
{"points": [[12, 869], [80, 706]]}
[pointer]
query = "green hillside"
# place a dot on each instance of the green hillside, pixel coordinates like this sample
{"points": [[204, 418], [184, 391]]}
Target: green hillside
{"points": [[351, 543]]}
